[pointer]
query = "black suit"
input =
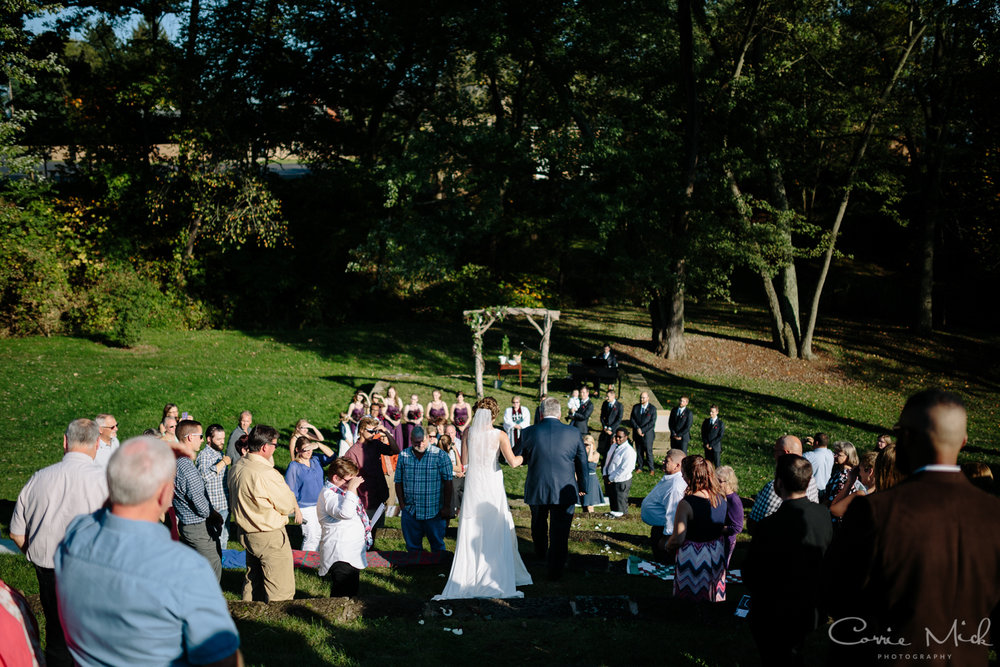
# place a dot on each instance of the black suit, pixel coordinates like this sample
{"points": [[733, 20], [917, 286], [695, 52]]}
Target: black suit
{"points": [[915, 558], [611, 418], [646, 421], [557, 470], [783, 572], [581, 418], [680, 428], [711, 436]]}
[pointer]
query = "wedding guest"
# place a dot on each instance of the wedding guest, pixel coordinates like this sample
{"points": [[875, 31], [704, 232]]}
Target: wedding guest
{"points": [[437, 409], [413, 415], [452, 432], [169, 433], [346, 434], [845, 463], [108, 442], [864, 485], [213, 466], [821, 458], [424, 488], [303, 429], [373, 442], [430, 434], [883, 441], [304, 477], [979, 474], [169, 410], [346, 532], [700, 572], [460, 412], [593, 494], [447, 445], [660, 505], [734, 508], [887, 474], [357, 409], [243, 423]]}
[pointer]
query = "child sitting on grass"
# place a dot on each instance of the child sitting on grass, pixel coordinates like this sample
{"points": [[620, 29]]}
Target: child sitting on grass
{"points": [[347, 532]]}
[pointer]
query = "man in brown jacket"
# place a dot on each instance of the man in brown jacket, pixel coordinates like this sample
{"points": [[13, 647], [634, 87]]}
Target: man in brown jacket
{"points": [[914, 573]]}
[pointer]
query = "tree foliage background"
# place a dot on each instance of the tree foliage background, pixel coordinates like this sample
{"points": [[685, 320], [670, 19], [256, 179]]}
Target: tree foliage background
{"points": [[813, 157]]}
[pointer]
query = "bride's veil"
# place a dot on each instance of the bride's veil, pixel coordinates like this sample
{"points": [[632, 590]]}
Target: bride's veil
{"points": [[476, 437]]}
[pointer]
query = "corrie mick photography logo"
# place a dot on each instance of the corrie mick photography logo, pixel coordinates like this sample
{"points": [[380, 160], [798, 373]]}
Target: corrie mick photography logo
{"points": [[930, 644]]}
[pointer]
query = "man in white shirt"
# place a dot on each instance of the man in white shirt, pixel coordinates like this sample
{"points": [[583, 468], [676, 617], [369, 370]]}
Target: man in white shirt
{"points": [[108, 442], [618, 473], [515, 418], [659, 507], [821, 459], [51, 499]]}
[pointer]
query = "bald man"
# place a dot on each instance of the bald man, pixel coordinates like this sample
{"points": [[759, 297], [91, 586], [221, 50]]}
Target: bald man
{"points": [[768, 501], [920, 562]]}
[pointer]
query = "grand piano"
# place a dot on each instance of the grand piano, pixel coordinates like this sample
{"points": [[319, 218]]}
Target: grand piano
{"points": [[595, 371]]}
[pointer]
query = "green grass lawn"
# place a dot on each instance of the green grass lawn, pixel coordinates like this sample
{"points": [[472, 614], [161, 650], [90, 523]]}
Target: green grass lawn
{"points": [[853, 393]]}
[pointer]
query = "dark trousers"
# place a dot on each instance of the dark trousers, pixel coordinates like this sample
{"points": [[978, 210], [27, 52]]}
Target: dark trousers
{"points": [[603, 445], [659, 555], [345, 580], [713, 455], [644, 448], [56, 652], [618, 495], [552, 540], [196, 536]]}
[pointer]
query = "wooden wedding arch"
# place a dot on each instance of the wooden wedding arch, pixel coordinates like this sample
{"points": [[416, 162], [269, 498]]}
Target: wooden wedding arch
{"points": [[481, 320]]}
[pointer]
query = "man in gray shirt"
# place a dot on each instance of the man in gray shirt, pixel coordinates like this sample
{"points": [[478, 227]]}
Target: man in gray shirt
{"points": [[244, 427], [51, 499]]}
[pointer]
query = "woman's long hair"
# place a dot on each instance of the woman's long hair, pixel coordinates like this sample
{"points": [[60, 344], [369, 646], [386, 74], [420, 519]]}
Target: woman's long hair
{"points": [[700, 476]]}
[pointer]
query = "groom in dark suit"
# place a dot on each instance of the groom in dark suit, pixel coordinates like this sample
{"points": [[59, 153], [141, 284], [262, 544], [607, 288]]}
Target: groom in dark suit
{"points": [[557, 471]]}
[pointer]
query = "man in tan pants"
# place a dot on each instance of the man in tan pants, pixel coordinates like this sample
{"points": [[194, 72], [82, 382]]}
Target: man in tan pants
{"points": [[261, 504]]}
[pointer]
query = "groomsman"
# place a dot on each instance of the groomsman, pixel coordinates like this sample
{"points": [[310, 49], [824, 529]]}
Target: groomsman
{"points": [[611, 418], [580, 418], [711, 436], [680, 426], [643, 419]]}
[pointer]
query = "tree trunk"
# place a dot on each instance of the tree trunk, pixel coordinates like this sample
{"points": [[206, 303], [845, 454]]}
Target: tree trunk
{"points": [[676, 347], [859, 153]]}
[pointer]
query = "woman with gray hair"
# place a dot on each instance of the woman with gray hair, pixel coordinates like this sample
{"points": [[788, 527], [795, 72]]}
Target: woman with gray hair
{"points": [[734, 509], [845, 472]]}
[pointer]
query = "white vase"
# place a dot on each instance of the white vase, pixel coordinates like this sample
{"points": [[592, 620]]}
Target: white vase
{"points": [[503, 360]]}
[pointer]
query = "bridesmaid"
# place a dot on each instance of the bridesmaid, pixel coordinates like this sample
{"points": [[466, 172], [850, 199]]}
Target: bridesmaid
{"points": [[460, 412], [413, 415], [357, 409], [437, 409], [394, 414]]}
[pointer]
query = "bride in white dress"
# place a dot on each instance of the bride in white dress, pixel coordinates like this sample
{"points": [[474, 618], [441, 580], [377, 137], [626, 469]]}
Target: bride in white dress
{"points": [[487, 563]]}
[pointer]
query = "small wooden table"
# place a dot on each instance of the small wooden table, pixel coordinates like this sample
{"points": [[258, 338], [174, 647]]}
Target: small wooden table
{"points": [[511, 367]]}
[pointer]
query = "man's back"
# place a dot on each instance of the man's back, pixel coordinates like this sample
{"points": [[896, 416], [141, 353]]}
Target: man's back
{"points": [[556, 458], [659, 505], [921, 558], [52, 498], [129, 595], [821, 459]]}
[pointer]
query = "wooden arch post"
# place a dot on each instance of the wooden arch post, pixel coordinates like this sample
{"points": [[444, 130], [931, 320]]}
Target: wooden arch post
{"points": [[481, 320]]}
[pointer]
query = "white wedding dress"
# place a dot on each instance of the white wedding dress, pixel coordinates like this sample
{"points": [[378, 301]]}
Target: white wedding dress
{"points": [[487, 563]]}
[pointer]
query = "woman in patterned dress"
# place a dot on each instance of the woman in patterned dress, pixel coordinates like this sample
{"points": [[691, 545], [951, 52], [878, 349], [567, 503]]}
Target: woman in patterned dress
{"points": [[698, 541]]}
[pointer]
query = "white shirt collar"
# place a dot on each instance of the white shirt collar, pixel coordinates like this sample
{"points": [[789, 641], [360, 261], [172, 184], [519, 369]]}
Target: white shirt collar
{"points": [[938, 467]]}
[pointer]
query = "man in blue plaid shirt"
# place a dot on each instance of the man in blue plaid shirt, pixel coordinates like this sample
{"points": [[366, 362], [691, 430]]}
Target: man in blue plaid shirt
{"points": [[191, 504], [423, 486]]}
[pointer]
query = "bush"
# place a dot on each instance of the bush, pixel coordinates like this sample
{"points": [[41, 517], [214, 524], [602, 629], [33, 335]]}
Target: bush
{"points": [[121, 304], [35, 291]]}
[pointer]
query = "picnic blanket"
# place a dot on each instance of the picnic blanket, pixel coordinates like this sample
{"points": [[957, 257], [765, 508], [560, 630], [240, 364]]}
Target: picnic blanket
{"points": [[636, 565], [236, 559]]}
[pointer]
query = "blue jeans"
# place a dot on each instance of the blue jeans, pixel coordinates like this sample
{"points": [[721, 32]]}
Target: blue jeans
{"points": [[415, 529]]}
